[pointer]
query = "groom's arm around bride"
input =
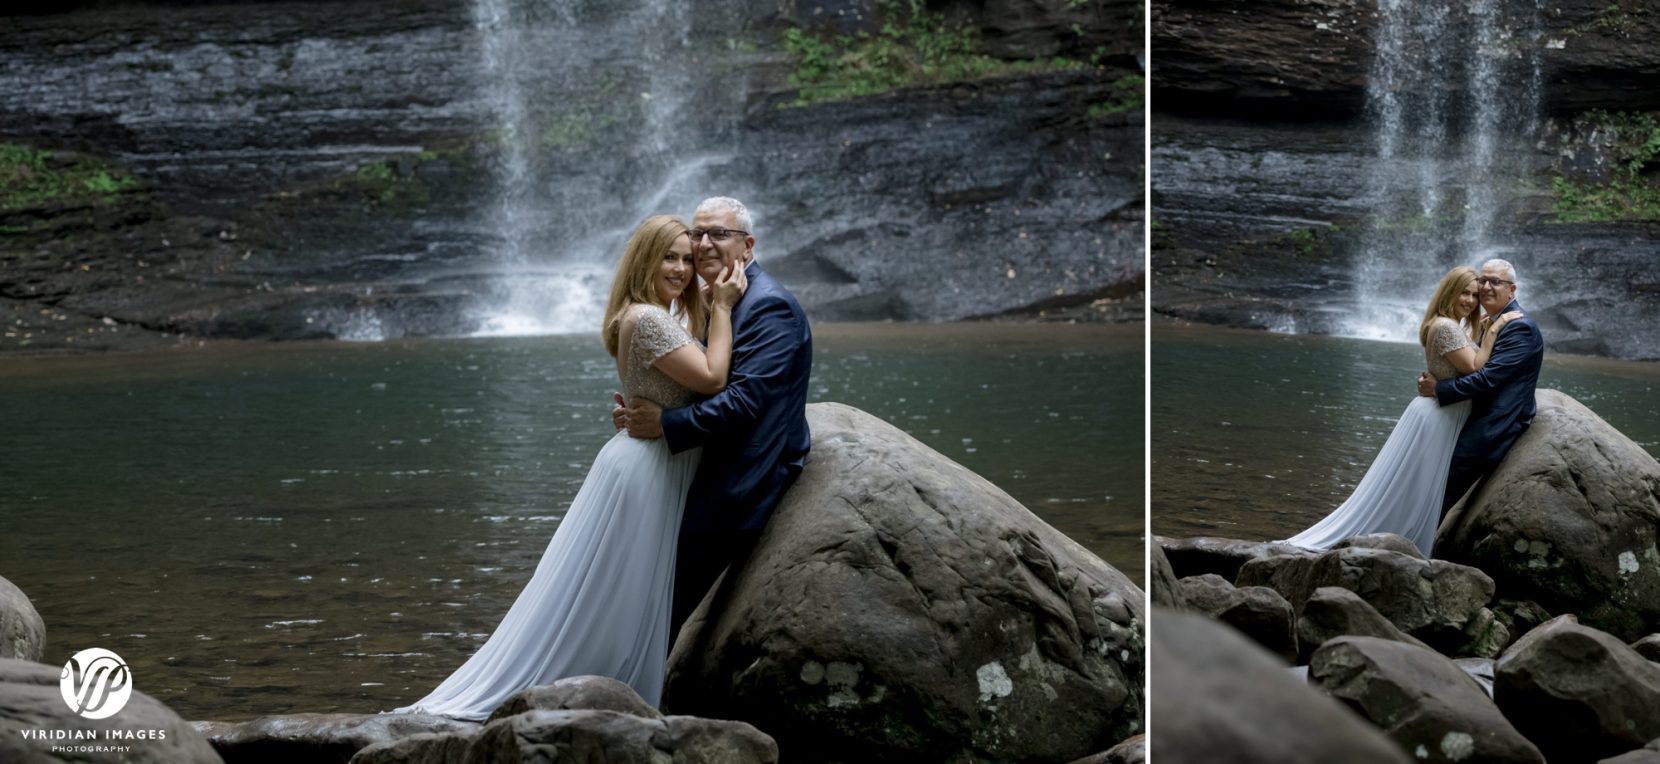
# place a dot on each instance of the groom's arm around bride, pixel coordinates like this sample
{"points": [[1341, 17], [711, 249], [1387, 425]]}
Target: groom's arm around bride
{"points": [[754, 433], [1500, 392]]}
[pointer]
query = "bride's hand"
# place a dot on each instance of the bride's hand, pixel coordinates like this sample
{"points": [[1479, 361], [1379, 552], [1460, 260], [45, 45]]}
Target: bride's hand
{"points": [[730, 286], [1507, 318]]}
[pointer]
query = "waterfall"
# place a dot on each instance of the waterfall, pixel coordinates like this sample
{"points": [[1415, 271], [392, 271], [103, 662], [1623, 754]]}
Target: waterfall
{"points": [[1453, 100], [558, 227]]}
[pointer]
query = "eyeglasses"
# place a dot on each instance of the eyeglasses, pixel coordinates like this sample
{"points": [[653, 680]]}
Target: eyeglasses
{"points": [[1485, 281], [716, 234]]}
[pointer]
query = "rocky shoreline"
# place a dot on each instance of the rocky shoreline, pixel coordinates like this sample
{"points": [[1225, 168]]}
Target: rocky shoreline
{"points": [[897, 608], [1533, 639]]}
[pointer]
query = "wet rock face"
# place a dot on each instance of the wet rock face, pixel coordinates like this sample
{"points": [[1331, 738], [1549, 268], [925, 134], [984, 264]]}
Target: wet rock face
{"points": [[900, 608], [1294, 59], [881, 213], [1282, 58], [1260, 226], [355, 147]]}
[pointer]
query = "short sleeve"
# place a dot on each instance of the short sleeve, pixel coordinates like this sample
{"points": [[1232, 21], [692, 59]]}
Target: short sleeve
{"points": [[1445, 337], [656, 334]]}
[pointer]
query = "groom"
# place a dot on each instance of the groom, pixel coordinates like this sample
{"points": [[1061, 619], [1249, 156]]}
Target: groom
{"points": [[753, 433], [1501, 393]]}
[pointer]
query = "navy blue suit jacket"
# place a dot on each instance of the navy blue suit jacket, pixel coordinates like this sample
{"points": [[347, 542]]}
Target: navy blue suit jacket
{"points": [[1500, 393], [754, 433]]}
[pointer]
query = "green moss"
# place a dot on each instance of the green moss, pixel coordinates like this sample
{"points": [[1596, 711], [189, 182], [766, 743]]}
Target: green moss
{"points": [[913, 47], [1628, 193], [1127, 97], [569, 131], [30, 177]]}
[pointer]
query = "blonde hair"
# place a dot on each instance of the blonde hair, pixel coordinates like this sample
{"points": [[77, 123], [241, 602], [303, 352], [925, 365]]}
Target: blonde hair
{"points": [[636, 278], [1444, 302]]}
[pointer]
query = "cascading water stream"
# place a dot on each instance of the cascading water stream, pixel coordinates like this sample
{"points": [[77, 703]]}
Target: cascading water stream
{"points": [[1453, 97], [558, 240]]}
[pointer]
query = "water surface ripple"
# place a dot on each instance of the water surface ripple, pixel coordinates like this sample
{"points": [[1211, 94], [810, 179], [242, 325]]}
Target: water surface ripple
{"points": [[334, 527]]}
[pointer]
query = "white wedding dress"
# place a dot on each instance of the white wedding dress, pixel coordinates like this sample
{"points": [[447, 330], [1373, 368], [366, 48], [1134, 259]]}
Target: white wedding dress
{"points": [[1403, 489], [599, 600]]}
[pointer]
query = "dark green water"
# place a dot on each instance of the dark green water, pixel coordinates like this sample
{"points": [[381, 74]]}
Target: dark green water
{"points": [[1258, 435], [333, 527]]}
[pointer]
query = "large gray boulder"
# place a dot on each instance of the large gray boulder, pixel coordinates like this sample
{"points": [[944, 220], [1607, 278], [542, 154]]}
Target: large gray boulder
{"points": [[31, 700], [1257, 612], [1421, 700], [1578, 693], [898, 607], [320, 737], [22, 632], [1220, 699], [584, 736], [1439, 602], [1569, 520], [1332, 611]]}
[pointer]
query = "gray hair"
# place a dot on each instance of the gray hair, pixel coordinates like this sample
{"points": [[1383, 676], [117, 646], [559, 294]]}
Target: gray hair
{"points": [[719, 204], [1505, 267]]}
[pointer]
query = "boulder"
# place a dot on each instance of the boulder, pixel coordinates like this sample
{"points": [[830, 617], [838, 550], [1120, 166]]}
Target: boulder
{"points": [[1439, 602], [31, 699], [1257, 612], [1519, 616], [1162, 584], [601, 737], [1332, 612], [1648, 647], [322, 737], [1645, 755], [591, 693], [1220, 699], [1199, 555], [1580, 694], [899, 607], [22, 632], [1648, 754], [1421, 700], [1569, 520]]}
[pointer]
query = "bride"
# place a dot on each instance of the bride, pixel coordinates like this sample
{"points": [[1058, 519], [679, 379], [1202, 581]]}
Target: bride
{"points": [[598, 602], [1402, 490]]}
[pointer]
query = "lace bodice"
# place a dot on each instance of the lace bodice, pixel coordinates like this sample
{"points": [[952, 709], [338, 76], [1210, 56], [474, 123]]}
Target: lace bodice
{"points": [[656, 334], [1445, 336]]}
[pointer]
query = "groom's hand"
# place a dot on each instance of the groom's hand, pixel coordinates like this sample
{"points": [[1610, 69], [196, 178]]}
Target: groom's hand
{"points": [[645, 419], [1426, 385]]}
